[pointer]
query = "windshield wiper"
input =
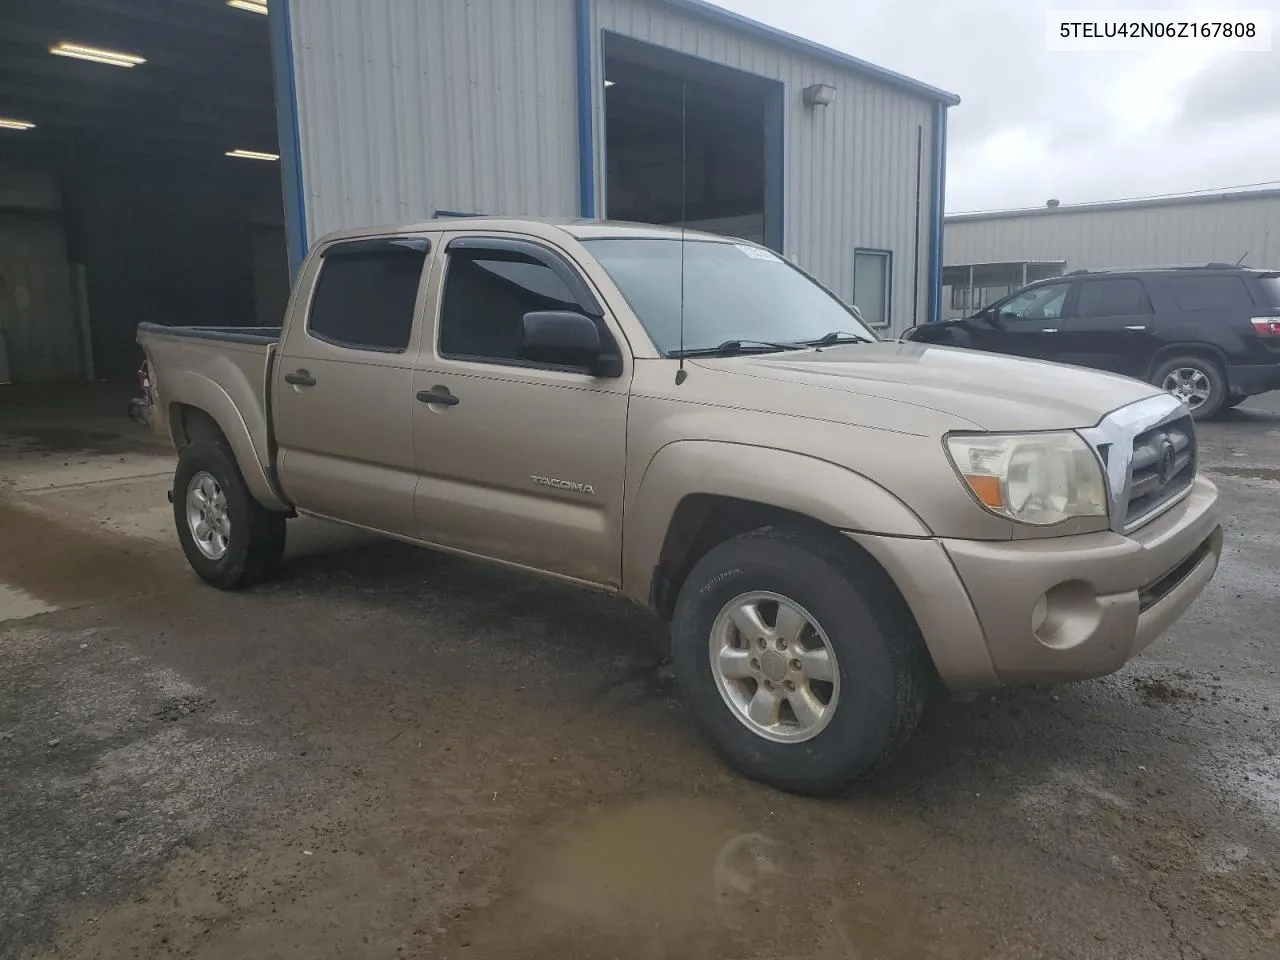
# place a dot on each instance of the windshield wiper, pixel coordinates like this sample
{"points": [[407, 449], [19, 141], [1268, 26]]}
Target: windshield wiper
{"points": [[837, 336], [734, 346]]}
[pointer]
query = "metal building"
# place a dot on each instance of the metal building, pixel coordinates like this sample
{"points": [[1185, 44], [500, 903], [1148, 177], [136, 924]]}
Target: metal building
{"points": [[170, 160], [987, 255], [656, 110]]}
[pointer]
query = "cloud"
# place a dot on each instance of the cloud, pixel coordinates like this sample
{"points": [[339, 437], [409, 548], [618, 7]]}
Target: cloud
{"points": [[1035, 124]]}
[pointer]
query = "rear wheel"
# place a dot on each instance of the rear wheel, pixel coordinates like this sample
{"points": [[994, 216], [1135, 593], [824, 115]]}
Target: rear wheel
{"points": [[229, 539], [1197, 381], [1234, 400], [798, 659]]}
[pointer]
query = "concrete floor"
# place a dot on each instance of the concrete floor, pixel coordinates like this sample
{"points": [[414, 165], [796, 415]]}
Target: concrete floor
{"points": [[389, 753]]}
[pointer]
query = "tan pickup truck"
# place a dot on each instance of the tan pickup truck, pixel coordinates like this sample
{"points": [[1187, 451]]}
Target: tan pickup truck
{"points": [[831, 522]]}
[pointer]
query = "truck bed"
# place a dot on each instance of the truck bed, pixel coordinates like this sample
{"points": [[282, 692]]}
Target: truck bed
{"points": [[224, 372]]}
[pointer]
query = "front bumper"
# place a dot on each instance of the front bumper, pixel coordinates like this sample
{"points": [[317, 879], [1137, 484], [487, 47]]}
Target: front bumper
{"points": [[1107, 595]]}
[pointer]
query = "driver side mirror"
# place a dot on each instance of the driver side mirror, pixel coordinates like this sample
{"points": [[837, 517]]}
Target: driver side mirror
{"points": [[563, 338]]}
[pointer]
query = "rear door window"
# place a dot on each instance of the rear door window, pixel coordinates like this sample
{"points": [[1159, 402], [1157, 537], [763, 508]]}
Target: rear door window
{"points": [[1269, 284], [1210, 293], [366, 294], [1119, 297]]}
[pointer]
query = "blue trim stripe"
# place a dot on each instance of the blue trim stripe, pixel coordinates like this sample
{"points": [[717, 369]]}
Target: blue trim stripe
{"points": [[586, 114], [295, 213], [937, 206], [709, 11]]}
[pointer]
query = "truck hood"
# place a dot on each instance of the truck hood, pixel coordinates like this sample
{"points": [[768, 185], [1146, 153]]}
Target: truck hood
{"points": [[989, 391]]}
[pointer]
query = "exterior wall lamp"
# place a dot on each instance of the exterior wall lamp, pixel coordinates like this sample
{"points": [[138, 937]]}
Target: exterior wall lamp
{"points": [[818, 94]]}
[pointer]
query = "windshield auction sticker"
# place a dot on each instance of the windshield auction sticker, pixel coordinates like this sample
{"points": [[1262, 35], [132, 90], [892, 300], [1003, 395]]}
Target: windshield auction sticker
{"points": [[755, 253]]}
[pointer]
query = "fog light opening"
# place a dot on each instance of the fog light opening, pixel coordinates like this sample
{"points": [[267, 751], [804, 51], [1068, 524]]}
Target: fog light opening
{"points": [[1039, 613]]}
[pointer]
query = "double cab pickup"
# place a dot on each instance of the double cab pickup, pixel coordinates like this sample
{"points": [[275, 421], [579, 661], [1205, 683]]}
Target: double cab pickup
{"points": [[834, 524]]}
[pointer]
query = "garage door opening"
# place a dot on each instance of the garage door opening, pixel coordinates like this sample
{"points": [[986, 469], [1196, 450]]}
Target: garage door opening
{"points": [[119, 200], [730, 181]]}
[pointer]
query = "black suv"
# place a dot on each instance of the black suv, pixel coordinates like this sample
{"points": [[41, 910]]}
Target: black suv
{"points": [[1209, 334]]}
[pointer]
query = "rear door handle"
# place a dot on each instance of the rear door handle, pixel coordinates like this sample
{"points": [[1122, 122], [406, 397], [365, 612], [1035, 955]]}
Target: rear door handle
{"points": [[440, 395], [1049, 330], [300, 378]]}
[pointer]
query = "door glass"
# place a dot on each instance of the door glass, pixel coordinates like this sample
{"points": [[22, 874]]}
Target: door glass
{"points": [[1039, 303], [486, 295], [1112, 298], [1210, 293], [365, 297]]}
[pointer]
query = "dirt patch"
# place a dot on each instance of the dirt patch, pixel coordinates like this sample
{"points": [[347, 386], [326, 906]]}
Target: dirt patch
{"points": [[1162, 690]]}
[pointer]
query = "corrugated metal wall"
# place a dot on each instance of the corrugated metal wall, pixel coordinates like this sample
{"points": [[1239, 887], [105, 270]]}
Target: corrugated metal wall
{"points": [[849, 168], [406, 108], [1217, 229], [409, 107]]}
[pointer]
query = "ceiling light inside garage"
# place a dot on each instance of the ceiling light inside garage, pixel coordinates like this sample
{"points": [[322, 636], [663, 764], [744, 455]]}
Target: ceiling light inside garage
{"points": [[253, 6], [252, 155], [96, 54], [8, 124]]}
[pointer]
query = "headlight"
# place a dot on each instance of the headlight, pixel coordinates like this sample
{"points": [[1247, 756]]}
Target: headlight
{"points": [[1035, 478]]}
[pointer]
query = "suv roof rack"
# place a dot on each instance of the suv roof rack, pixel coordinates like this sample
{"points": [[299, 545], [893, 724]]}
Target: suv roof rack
{"points": [[1148, 268]]}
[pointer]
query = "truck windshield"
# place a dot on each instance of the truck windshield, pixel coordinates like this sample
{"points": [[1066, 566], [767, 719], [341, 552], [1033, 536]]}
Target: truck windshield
{"points": [[732, 292]]}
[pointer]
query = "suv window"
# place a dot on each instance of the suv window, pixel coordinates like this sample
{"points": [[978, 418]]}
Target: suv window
{"points": [[366, 294], [486, 295], [1038, 303], [1210, 293], [1112, 298]]}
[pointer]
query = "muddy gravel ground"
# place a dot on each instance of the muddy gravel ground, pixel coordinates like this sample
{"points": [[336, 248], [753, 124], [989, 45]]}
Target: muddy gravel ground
{"points": [[389, 753]]}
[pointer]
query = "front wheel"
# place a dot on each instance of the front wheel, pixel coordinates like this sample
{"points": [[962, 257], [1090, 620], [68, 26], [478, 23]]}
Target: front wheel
{"points": [[798, 659], [229, 539], [1196, 381]]}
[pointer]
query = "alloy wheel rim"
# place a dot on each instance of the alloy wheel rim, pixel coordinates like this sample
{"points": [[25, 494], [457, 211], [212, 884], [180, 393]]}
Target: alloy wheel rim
{"points": [[207, 515], [1190, 385], [774, 666]]}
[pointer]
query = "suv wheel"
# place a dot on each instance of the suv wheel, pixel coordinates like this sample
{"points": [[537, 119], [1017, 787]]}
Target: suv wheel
{"points": [[799, 662], [1196, 381]]}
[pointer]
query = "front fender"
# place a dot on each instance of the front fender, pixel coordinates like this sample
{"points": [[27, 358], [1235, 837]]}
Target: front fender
{"points": [[802, 484]]}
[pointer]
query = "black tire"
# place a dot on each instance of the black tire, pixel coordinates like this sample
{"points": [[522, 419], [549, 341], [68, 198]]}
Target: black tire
{"points": [[1234, 400], [883, 667], [257, 536], [1213, 374]]}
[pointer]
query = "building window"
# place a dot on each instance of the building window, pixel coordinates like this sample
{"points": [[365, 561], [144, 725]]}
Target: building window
{"points": [[872, 272]]}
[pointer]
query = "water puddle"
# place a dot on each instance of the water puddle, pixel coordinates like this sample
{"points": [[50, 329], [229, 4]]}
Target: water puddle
{"points": [[16, 604], [54, 565], [1247, 473], [688, 877]]}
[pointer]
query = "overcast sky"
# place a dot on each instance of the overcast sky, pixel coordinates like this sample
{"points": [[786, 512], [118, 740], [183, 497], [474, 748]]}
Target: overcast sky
{"points": [[1076, 126]]}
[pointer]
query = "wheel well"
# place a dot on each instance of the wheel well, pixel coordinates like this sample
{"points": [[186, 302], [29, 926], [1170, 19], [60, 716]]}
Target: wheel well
{"points": [[1189, 350], [702, 521], [188, 425]]}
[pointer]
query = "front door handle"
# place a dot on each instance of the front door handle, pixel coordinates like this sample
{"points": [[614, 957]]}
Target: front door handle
{"points": [[440, 395], [300, 378]]}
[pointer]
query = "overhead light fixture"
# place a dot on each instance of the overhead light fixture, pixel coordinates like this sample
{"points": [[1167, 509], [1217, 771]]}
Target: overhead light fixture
{"points": [[8, 124], [252, 155], [819, 94], [253, 6], [96, 54], [608, 83]]}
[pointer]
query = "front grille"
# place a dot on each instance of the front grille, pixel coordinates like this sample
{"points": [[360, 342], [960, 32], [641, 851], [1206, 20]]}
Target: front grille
{"points": [[1163, 467]]}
